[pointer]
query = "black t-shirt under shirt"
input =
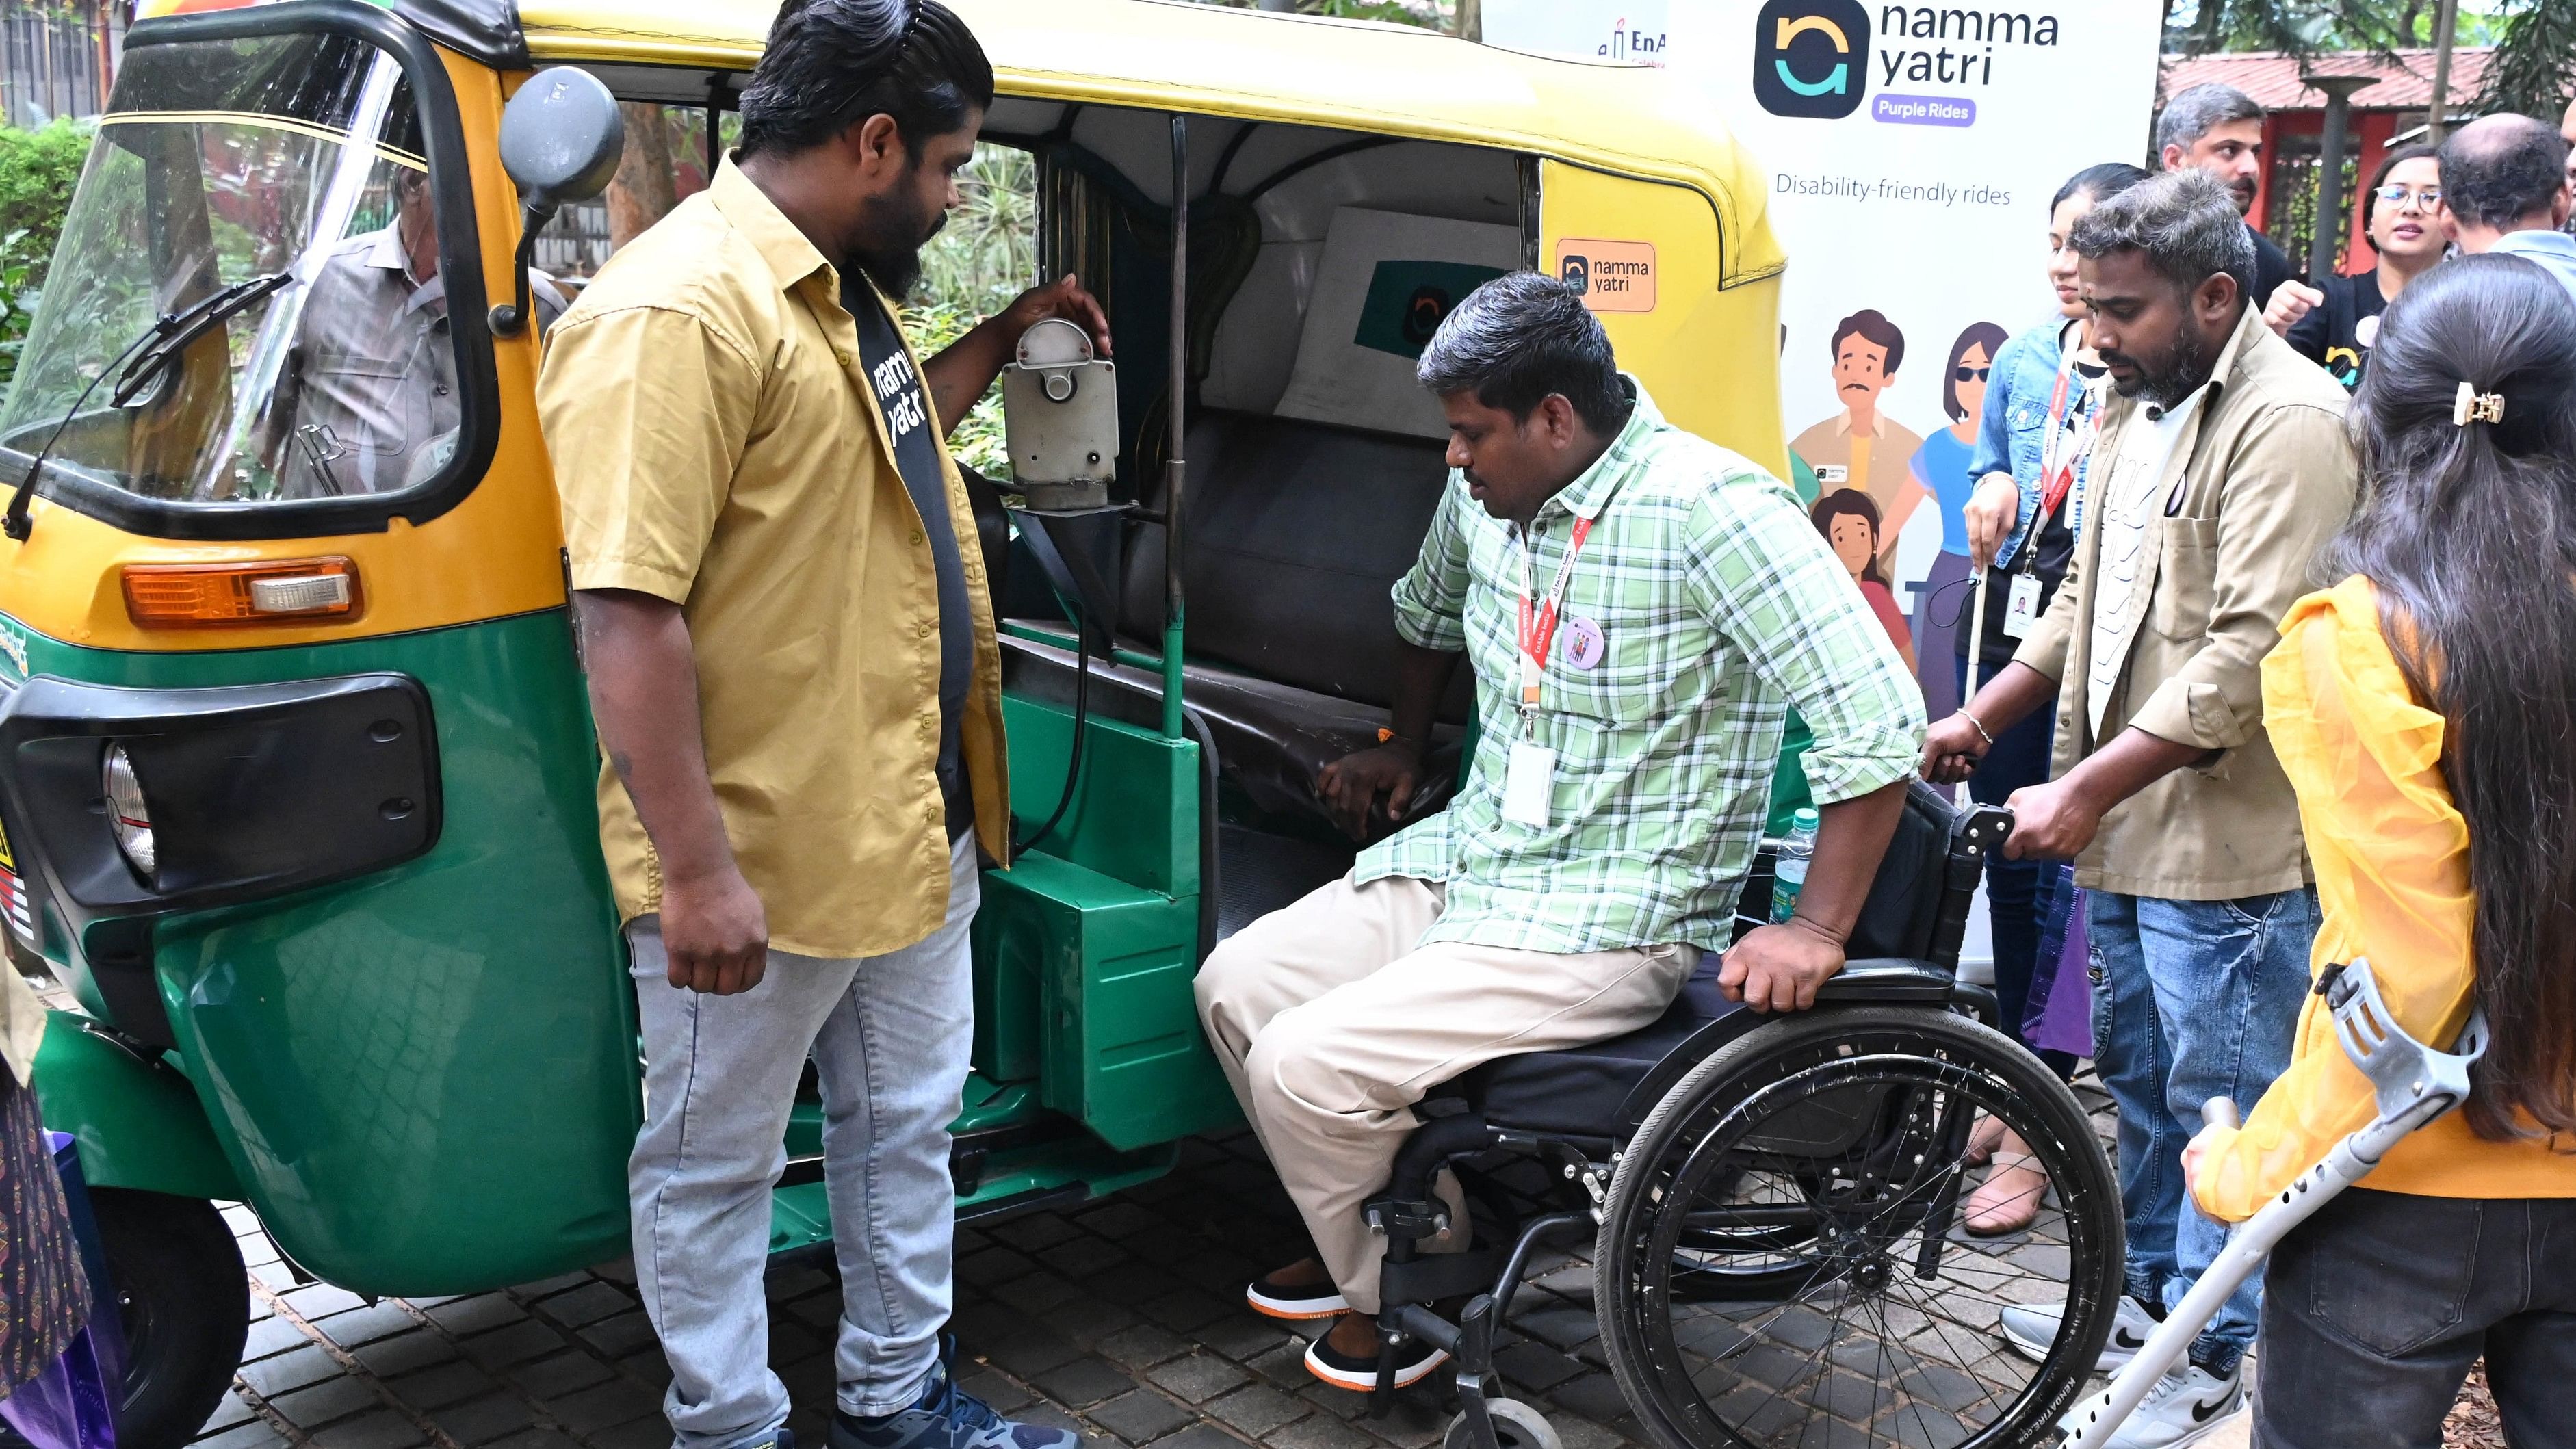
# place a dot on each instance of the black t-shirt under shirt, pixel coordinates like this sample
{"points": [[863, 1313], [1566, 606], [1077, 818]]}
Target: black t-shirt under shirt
{"points": [[896, 386], [2337, 333], [2271, 266]]}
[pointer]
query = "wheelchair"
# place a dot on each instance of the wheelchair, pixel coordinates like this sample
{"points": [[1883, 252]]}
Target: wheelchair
{"points": [[1774, 1201]]}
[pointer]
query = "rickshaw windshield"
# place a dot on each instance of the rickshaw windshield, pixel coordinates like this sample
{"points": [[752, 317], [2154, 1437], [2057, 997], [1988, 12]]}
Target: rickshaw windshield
{"points": [[294, 158]]}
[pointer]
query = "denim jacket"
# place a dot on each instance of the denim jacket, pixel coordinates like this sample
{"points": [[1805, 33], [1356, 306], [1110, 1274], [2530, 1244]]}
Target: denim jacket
{"points": [[2014, 429]]}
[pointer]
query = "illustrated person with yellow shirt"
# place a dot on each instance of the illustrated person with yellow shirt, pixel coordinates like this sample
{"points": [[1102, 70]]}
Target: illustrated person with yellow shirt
{"points": [[2423, 710], [793, 669], [1863, 448]]}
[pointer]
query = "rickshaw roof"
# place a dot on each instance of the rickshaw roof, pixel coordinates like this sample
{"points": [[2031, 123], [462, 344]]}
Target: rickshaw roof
{"points": [[1301, 70]]}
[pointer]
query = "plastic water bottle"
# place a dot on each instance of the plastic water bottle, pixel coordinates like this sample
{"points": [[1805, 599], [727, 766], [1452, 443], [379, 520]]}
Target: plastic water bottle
{"points": [[1789, 875]]}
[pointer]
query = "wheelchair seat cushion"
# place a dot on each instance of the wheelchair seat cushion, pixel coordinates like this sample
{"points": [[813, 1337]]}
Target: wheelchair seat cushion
{"points": [[1579, 1092]]}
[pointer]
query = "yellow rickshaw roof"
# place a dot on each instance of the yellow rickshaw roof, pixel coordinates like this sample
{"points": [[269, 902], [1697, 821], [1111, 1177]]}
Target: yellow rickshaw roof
{"points": [[1356, 75]]}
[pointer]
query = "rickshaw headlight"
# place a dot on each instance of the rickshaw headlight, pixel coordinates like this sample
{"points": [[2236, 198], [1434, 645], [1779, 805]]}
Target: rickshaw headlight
{"points": [[127, 815]]}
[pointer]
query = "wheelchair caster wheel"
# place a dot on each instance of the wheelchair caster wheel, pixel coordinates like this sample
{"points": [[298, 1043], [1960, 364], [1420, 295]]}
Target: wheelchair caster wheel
{"points": [[1516, 1426]]}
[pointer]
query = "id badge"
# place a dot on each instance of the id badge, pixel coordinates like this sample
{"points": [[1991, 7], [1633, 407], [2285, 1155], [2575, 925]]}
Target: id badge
{"points": [[2021, 607], [1527, 781]]}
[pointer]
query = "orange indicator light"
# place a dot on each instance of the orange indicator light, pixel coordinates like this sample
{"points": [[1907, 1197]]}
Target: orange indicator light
{"points": [[195, 596]]}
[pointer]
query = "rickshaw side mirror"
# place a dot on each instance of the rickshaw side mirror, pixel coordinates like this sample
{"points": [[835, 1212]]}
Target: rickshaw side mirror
{"points": [[562, 137]]}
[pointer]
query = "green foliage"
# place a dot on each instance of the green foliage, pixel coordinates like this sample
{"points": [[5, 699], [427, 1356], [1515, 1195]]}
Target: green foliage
{"points": [[2534, 69], [2307, 27], [37, 172], [983, 258]]}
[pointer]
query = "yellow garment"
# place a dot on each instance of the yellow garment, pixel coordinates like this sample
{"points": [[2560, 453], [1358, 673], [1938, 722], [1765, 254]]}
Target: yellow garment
{"points": [[715, 445], [2392, 867]]}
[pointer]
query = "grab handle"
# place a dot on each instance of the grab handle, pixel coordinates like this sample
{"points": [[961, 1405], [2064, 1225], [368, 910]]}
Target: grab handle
{"points": [[2220, 1112]]}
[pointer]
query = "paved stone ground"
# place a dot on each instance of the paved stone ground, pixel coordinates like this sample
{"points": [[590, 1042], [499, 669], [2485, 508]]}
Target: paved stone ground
{"points": [[1122, 1319]]}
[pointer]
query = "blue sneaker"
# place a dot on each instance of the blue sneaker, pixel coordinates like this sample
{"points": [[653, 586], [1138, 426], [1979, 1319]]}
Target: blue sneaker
{"points": [[946, 1417]]}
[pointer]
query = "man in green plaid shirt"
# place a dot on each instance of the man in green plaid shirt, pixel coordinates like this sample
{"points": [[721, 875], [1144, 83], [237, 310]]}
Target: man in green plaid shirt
{"points": [[1641, 609]]}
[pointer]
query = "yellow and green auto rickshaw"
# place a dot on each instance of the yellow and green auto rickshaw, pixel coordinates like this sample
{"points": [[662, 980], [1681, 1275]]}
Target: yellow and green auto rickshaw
{"points": [[296, 770]]}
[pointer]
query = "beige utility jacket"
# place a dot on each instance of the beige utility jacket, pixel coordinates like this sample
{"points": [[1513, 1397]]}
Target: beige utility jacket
{"points": [[2259, 478]]}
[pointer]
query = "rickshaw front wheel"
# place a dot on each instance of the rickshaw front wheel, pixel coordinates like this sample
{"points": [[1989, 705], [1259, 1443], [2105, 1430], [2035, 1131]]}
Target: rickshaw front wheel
{"points": [[185, 1304]]}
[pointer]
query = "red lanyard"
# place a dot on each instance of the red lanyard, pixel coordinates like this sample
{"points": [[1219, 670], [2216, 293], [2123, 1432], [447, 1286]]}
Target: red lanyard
{"points": [[1538, 621], [2056, 472]]}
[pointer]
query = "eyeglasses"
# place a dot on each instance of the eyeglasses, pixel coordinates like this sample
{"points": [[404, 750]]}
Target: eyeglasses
{"points": [[1970, 374], [2426, 197]]}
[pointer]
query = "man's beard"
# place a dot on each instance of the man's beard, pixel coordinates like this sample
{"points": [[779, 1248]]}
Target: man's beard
{"points": [[2241, 191], [888, 249], [2169, 378]]}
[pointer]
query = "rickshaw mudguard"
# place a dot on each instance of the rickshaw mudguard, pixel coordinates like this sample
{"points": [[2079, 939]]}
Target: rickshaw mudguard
{"points": [[135, 1116]]}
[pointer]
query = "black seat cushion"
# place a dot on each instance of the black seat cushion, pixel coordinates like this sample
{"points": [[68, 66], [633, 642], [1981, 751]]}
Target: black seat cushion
{"points": [[1579, 1091]]}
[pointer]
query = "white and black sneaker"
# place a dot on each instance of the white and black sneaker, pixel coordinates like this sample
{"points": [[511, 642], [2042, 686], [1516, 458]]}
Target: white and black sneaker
{"points": [[1298, 1303], [1414, 1359], [2032, 1331], [2183, 1408]]}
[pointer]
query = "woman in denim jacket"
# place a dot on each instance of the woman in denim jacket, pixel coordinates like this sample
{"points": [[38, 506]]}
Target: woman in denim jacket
{"points": [[2006, 527]]}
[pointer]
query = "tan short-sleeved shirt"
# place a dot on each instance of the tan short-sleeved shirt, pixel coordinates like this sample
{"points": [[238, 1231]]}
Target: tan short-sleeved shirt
{"points": [[715, 445]]}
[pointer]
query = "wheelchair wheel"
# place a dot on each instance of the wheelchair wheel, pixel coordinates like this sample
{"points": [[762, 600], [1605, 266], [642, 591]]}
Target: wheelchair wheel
{"points": [[1780, 1259], [1516, 1426]]}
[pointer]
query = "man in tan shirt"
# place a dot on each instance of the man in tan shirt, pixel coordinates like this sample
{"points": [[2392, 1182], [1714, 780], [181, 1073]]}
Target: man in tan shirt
{"points": [[793, 669], [2222, 468]]}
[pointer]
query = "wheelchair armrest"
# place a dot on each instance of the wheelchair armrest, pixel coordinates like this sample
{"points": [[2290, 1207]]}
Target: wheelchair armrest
{"points": [[1887, 980]]}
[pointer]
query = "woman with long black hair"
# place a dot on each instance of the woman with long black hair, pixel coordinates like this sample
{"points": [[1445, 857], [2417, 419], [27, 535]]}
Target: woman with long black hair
{"points": [[2425, 709]]}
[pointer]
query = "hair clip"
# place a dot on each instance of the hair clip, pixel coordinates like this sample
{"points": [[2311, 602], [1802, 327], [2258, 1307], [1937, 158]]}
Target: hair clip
{"points": [[2474, 406]]}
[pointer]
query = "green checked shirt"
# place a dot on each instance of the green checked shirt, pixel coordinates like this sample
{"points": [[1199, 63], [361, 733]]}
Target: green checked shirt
{"points": [[1719, 607]]}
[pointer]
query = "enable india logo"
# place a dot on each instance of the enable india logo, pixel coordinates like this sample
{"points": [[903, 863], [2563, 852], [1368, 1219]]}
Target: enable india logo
{"points": [[1811, 57]]}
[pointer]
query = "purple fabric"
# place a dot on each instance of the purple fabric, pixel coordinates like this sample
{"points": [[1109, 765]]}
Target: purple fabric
{"points": [[2066, 1022], [68, 1405]]}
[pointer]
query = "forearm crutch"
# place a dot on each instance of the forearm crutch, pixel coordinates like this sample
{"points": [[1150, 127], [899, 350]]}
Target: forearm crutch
{"points": [[2415, 1084]]}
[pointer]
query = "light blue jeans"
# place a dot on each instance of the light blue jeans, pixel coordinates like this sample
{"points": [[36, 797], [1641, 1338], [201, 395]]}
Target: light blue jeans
{"points": [[2191, 1000], [889, 1036]]}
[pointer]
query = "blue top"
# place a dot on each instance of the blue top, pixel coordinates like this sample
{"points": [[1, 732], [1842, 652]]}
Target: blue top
{"points": [[1941, 466], [2014, 430], [2553, 250]]}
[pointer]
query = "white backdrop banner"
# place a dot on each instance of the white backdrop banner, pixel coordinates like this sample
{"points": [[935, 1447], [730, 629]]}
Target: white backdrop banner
{"points": [[1913, 151]]}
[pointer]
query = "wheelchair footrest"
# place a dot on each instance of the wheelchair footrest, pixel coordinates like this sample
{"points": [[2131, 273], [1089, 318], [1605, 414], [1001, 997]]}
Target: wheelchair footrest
{"points": [[1408, 1219], [1434, 1276]]}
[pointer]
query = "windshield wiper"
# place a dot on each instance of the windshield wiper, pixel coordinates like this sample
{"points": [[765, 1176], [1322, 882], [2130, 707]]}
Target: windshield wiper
{"points": [[137, 366]]}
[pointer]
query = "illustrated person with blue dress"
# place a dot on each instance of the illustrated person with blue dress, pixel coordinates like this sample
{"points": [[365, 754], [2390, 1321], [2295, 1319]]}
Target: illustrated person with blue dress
{"points": [[1941, 468]]}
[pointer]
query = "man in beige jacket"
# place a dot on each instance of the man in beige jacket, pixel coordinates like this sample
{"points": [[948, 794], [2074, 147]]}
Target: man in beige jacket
{"points": [[2222, 467]]}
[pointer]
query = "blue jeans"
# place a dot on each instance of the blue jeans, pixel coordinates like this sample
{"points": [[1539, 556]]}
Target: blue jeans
{"points": [[2017, 891], [889, 1036], [2192, 1000]]}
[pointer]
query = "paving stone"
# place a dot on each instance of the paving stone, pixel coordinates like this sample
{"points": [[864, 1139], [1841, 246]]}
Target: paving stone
{"points": [[1186, 1310], [1584, 1434], [286, 1372], [276, 1277], [598, 1407], [1531, 1366], [1245, 1336], [383, 1429], [1140, 1417], [321, 1300], [229, 1410], [1256, 1409], [1087, 1320], [254, 1435], [589, 1303], [1032, 1351], [480, 1314], [1285, 1366], [993, 1267], [485, 1420], [1080, 1257], [1007, 1396], [617, 1337], [272, 1335], [537, 1438], [1038, 1292], [647, 1433], [1319, 1431], [1200, 1436], [648, 1368], [550, 1378], [367, 1324], [1198, 1378], [527, 1339], [1595, 1396], [329, 1401], [449, 1383], [560, 1283], [1083, 1381], [1121, 1219], [405, 1353], [1036, 1231], [1557, 1322], [1143, 1346]]}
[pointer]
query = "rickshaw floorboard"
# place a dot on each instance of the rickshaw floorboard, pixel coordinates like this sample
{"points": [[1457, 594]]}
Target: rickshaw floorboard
{"points": [[1122, 1319]]}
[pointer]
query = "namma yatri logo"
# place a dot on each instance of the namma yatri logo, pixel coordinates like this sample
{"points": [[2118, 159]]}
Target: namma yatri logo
{"points": [[1811, 57]]}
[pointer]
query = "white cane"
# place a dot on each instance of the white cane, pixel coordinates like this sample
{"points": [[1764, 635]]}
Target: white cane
{"points": [[2415, 1084], [1976, 656]]}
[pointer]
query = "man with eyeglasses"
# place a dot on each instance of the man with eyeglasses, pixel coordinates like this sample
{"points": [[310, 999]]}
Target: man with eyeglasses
{"points": [[2333, 320]]}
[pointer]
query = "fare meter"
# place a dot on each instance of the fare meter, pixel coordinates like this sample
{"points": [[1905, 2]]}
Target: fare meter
{"points": [[1060, 419]]}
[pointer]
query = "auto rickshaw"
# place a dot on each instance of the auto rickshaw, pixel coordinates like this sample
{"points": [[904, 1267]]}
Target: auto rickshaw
{"points": [[296, 768]]}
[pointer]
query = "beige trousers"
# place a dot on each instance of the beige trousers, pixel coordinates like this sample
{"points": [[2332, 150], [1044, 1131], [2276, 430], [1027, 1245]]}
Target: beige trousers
{"points": [[1332, 1021]]}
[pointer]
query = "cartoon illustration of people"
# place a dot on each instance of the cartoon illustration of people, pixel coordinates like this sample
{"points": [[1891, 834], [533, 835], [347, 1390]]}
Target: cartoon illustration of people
{"points": [[1940, 468], [1849, 521], [1861, 447]]}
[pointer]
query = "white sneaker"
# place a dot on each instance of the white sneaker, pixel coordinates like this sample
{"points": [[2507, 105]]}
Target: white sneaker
{"points": [[2032, 1332], [2183, 1408]]}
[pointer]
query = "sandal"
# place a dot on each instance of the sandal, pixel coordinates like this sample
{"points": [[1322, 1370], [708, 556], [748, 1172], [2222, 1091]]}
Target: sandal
{"points": [[2001, 1206], [1982, 1142]]}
